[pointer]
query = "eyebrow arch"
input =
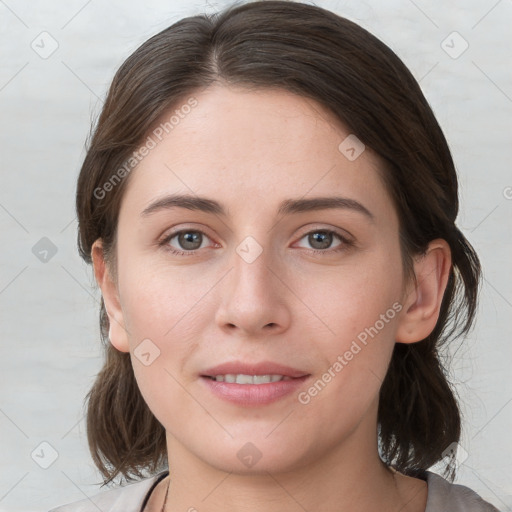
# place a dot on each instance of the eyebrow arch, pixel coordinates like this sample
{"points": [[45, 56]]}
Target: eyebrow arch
{"points": [[287, 207]]}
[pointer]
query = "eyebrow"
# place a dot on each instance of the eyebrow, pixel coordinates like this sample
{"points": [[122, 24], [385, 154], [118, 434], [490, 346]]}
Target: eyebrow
{"points": [[287, 207]]}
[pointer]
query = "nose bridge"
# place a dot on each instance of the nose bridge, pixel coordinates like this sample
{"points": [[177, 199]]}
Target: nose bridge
{"points": [[251, 274], [253, 254]]}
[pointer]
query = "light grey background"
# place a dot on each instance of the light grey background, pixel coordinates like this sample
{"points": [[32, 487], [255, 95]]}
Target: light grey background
{"points": [[49, 335]]}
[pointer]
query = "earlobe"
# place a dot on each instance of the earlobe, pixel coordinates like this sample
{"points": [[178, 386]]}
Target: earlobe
{"points": [[117, 331], [422, 302]]}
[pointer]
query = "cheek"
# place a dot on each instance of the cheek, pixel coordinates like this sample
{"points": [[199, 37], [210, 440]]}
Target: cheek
{"points": [[158, 302], [352, 298], [165, 321], [163, 315], [358, 308]]}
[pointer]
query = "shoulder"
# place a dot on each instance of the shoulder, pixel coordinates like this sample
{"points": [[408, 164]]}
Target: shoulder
{"points": [[444, 496], [128, 498]]}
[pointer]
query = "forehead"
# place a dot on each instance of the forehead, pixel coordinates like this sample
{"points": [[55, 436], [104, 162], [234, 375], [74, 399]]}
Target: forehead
{"points": [[264, 145]]}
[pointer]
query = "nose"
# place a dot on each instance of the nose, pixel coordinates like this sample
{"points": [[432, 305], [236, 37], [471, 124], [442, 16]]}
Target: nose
{"points": [[255, 301]]}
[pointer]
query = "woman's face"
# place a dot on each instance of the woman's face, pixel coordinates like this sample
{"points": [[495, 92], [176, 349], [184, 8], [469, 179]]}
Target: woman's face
{"points": [[266, 275]]}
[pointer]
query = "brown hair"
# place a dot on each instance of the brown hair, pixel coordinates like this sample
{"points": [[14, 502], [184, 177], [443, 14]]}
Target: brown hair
{"points": [[319, 55]]}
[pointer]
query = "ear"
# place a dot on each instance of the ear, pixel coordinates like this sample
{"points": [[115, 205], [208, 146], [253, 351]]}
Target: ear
{"points": [[117, 333], [422, 301]]}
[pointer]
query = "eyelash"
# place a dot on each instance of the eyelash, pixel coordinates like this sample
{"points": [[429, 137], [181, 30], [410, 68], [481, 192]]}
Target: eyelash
{"points": [[346, 243]]}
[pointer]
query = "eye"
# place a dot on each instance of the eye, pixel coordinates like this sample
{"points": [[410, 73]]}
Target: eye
{"points": [[187, 241], [322, 239]]}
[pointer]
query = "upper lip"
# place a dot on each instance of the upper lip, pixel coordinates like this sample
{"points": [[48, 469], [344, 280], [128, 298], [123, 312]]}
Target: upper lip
{"points": [[262, 368]]}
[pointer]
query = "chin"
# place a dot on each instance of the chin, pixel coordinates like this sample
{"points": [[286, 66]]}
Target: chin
{"points": [[246, 457]]}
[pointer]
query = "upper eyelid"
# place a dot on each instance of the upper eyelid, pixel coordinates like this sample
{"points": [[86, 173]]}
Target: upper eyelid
{"points": [[173, 232], [343, 239], [342, 234]]}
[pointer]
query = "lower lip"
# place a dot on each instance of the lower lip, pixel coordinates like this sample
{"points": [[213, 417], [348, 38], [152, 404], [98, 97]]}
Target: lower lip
{"points": [[254, 394]]}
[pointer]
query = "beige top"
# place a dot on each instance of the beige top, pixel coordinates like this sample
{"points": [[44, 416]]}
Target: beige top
{"points": [[442, 496]]}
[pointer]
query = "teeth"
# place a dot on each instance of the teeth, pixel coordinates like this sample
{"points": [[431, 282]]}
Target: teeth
{"points": [[250, 379], [244, 379]]}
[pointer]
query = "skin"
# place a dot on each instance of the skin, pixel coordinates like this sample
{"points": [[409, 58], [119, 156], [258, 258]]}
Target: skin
{"points": [[250, 150]]}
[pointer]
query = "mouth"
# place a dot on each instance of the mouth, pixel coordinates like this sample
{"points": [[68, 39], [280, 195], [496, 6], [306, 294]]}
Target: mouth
{"points": [[242, 378], [253, 385], [264, 372]]}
